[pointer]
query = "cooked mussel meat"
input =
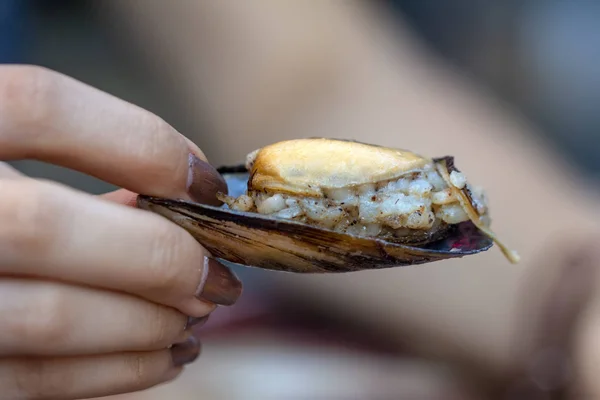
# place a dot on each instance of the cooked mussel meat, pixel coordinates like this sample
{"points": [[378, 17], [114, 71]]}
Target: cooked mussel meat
{"points": [[326, 205]]}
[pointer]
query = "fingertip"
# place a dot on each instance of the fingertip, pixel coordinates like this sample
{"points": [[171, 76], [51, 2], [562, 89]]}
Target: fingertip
{"points": [[204, 182], [121, 196], [172, 374], [197, 308], [194, 149], [220, 284], [186, 352]]}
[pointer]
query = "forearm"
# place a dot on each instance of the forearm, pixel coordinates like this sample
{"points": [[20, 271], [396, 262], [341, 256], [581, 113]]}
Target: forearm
{"points": [[274, 70]]}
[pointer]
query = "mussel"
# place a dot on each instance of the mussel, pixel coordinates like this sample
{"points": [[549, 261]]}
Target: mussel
{"points": [[330, 205]]}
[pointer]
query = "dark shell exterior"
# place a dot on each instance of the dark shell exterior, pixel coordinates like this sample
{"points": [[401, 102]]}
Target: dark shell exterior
{"points": [[264, 242]]}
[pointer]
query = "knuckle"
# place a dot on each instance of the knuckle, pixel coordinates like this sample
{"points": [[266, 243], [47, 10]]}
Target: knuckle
{"points": [[27, 215], [29, 92], [44, 319]]}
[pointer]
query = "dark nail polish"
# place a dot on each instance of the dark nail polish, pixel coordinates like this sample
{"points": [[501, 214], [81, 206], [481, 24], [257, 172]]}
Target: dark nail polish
{"points": [[186, 352], [196, 322], [219, 284], [204, 182]]}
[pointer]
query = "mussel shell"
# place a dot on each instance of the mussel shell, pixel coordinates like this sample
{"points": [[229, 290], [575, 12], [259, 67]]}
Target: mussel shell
{"points": [[265, 242]]}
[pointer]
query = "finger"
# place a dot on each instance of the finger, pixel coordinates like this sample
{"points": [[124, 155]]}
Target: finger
{"points": [[94, 376], [50, 117], [52, 231], [43, 318], [121, 196], [8, 172]]}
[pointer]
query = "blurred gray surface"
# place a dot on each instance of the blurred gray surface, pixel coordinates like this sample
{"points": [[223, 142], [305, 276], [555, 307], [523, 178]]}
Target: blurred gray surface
{"points": [[538, 55]]}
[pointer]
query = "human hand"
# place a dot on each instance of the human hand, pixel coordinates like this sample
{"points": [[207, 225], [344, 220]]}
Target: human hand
{"points": [[555, 352], [93, 292]]}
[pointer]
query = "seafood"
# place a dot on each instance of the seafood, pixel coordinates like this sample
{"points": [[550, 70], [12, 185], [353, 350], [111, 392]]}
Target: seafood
{"points": [[327, 205]]}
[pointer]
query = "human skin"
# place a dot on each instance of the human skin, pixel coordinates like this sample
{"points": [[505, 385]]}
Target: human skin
{"points": [[264, 71], [97, 297]]}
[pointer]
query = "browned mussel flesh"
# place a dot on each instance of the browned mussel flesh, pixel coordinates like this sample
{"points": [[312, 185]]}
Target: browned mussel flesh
{"points": [[325, 205]]}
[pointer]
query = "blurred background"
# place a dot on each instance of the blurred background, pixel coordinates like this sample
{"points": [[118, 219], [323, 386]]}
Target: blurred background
{"points": [[539, 57]]}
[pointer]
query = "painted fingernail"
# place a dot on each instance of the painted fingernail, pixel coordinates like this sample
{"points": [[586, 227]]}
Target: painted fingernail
{"points": [[219, 284], [204, 182], [196, 321], [185, 352]]}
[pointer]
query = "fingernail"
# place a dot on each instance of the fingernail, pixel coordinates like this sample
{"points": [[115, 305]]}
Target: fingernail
{"points": [[196, 321], [185, 352], [219, 284], [204, 182]]}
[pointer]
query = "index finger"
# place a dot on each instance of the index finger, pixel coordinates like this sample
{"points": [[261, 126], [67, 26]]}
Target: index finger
{"points": [[50, 117], [53, 232]]}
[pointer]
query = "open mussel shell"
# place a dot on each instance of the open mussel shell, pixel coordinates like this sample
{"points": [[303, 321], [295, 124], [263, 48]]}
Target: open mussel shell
{"points": [[260, 241]]}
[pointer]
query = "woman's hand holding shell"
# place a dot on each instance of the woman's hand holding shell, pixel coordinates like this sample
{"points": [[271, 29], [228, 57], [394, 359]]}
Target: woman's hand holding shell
{"points": [[96, 297]]}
